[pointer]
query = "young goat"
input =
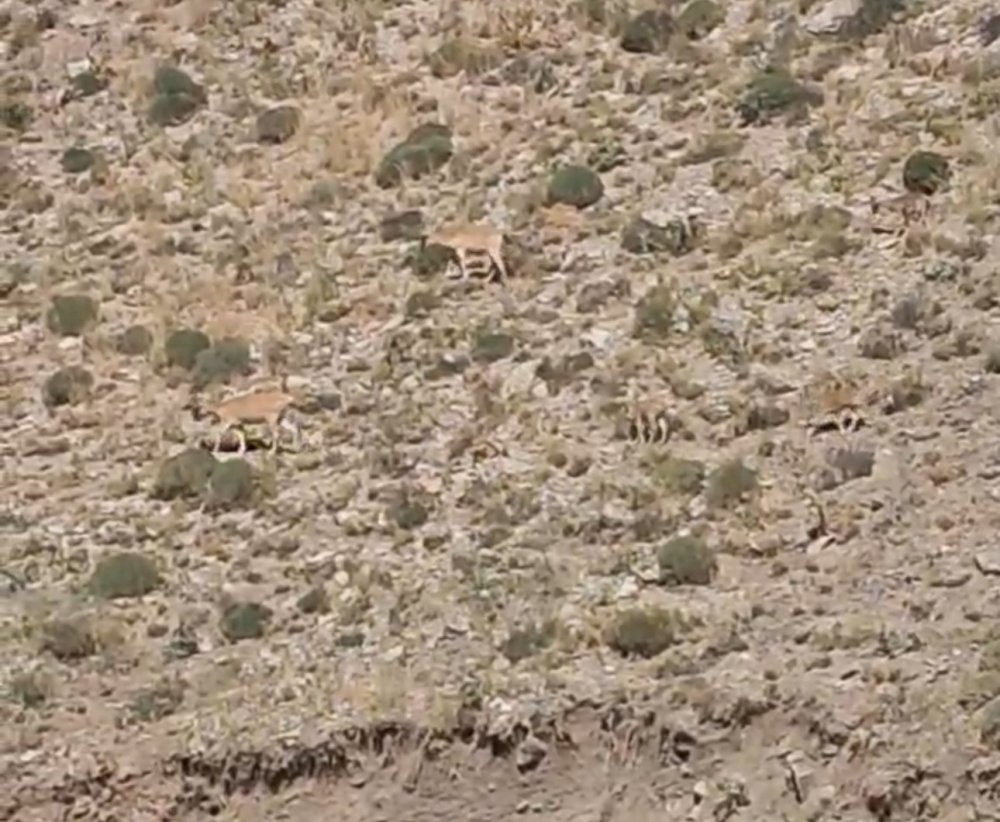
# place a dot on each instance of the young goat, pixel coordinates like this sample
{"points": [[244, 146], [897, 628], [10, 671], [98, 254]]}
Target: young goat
{"points": [[466, 238], [266, 407]]}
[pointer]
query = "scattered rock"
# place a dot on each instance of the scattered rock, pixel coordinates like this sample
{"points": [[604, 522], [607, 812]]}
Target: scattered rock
{"points": [[87, 83], [491, 346], [529, 754], [16, 115], [429, 260], [700, 18], [906, 392], [987, 561], [525, 642], [314, 601], [880, 342], [642, 236], [594, 296], [654, 313], [831, 17], [534, 71], [459, 54], [408, 514], [991, 365], [764, 416], [989, 30], [846, 464], [870, 17], [404, 225], [607, 155], [421, 304]]}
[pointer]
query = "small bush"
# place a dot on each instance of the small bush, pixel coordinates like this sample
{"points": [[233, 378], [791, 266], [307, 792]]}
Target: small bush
{"points": [[183, 346], [134, 341], [278, 124], [68, 640], [730, 484], [245, 620], [426, 149], [643, 632], [575, 185], [218, 363], [67, 386], [71, 314], [231, 484], [184, 475], [686, 561], [176, 97], [124, 575]]}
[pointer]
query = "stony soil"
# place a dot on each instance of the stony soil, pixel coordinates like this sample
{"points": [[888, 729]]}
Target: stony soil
{"points": [[474, 592]]}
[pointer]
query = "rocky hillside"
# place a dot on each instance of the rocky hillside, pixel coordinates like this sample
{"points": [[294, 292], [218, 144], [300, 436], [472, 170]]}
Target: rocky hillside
{"points": [[690, 517]]}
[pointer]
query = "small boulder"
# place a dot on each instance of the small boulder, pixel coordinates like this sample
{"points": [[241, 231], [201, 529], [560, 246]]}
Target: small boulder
{"points": [[460, 54], [491, 346], [403, 225], [699, 18], [642, 236]]}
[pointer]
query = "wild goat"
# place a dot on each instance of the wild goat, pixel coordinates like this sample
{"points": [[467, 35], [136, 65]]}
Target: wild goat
{"points": [[268, 407], [466, 238]]}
